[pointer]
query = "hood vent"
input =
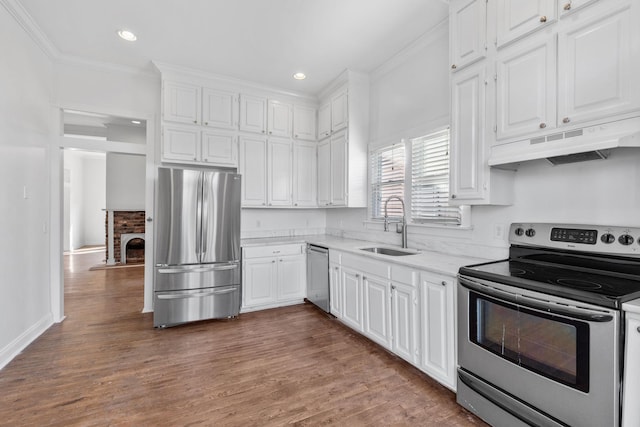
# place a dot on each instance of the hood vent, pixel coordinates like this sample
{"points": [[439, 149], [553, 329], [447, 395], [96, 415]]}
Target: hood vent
{"points": [[572, 146]]}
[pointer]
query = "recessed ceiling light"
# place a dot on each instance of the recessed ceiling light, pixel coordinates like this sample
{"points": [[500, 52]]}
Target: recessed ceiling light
{"points": [[299, 76], [136, 122], [127, 35]]}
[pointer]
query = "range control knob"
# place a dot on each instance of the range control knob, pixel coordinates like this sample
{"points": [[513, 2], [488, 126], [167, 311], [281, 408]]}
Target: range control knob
{"points": [[608, 238], [530, 232], [625, 239], [519, 231]]}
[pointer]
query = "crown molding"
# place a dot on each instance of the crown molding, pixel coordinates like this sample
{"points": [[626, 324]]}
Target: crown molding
{"points": [[22, 17], [177, 71], [428, 38], [105, 66]]}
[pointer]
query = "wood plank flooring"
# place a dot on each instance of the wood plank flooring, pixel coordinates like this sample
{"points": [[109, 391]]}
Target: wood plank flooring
{"points": [[106, 365]]}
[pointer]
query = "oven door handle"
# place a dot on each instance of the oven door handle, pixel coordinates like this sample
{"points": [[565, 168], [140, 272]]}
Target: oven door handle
{"points": [[575, 313]]}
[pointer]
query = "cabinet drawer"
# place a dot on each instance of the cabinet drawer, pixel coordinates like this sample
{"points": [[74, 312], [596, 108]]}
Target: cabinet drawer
{"points": [[273, 250], [368, 266], [335, 257], [404, 275]]}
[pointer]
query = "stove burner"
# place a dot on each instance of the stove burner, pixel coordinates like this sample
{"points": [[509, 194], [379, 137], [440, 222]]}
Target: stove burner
{"points": [[517, 271], [579, 284]]}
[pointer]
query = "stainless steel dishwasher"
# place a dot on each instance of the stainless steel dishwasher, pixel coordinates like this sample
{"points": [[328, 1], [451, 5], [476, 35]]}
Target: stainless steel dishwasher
{"points": [[318, 276]]}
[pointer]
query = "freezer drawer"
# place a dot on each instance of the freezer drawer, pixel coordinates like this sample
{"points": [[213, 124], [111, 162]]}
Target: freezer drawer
{"points": [[174, 308], [196, 276]]}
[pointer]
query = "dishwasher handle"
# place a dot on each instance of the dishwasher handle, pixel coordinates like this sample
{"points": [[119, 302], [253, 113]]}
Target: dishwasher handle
{"points": [[318, 249]]}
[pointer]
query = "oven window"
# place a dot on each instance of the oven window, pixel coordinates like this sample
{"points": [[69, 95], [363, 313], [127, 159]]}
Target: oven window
{"points": [[550, 345]]}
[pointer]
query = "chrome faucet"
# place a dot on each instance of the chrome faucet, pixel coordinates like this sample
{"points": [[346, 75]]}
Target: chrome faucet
{"points": [[403, 222]]}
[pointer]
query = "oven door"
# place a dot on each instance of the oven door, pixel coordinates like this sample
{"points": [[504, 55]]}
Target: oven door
{"points": [[556, 355]]}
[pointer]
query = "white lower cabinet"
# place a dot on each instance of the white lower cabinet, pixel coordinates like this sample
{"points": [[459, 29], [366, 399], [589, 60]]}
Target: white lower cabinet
{"points": [[631, 382], [273, 276], [407, 311], [377, 310], [438, 333]]}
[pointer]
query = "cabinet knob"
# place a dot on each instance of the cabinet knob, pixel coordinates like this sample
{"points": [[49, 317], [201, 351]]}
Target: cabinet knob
{"points": [[638, 329], [273, 261], [262, 130], [566, 120], [543, 19], [296, 135], [393, 287], [567, 6], [543, 125], [206, 123], [357, 276], [454, 66], [270, 132], [295, 204], [444, 283], [453, 196], [149, 219], [195, 158], [195, 121]]}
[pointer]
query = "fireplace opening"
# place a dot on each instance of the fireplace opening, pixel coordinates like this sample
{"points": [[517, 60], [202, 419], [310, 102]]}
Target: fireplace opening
{"points": [[132, 248]]}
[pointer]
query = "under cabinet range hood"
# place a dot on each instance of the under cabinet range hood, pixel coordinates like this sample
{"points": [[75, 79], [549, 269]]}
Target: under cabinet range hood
{"points": [[590, 143]]}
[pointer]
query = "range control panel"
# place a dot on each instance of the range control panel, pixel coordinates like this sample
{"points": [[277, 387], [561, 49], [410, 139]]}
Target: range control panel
{"points": [[588, 238]]}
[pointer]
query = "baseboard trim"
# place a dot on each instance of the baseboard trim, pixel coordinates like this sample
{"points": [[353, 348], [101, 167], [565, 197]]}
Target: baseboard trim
{"points": [[11, 350]]}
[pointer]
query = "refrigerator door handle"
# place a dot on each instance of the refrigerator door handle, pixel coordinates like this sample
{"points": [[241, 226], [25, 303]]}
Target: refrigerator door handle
{"points": [[197, 270], [197, 295], [199, 219], [205, 216]]}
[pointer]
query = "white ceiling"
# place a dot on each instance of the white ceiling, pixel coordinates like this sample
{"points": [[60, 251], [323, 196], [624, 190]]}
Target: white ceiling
{"points": [[263, 41]]}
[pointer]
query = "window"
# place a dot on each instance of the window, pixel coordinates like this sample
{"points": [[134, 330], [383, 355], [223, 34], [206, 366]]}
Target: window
{"points": [[426, 195], [430, 180], [387, 179]]}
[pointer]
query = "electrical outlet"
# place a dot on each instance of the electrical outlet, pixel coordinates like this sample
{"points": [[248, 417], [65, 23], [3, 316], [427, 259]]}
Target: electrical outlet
{"points": [[498, 231]]}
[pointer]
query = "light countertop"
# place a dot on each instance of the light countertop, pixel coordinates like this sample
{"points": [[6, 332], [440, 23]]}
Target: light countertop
{"points": [[632, 306], [436, 262]]}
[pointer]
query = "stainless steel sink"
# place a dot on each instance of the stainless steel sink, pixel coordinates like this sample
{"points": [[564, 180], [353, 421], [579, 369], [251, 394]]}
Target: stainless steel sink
{"points": [[388, 251]]}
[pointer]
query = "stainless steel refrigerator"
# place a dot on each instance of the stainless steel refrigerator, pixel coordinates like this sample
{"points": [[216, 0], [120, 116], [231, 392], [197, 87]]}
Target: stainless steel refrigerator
{"points": [[197, 251]]}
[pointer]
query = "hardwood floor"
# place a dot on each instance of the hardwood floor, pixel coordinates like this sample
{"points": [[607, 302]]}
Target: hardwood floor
{"points": [[106, 365]]}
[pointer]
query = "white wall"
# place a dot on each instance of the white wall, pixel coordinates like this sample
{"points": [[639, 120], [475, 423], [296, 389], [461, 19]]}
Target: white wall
{"points": [[75, 232], [125, 181], [26, 126]]}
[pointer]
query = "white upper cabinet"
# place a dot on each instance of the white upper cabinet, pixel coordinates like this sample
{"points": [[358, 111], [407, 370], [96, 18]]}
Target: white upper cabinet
{"points": [[219, 109], [279, 171], [467, 134], [253, 114], [599, 63], [181, 102], [324, 173], [304, 122], [181, 143], [305, 174], [467, 32], [517, 18], [526, 87], [339, 111], [569, 6], [279, 119], [324, 120], [220, 148], [338, 169], [253, 167]]}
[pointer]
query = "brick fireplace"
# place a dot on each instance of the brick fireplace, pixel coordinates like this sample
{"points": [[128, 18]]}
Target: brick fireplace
{"points": [[125, 236]]}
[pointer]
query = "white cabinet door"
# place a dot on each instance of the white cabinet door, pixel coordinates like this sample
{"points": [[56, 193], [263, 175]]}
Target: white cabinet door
{"points": [[526, 87], [181, 102], [377, 310], [631, 392], [181, 143], [304, 123], [219, 148], [467, 134], [259, 281], [467, 32], [351, 282], [567, 7], [279, 119], [404, 318], [335, 291], [339, 111], [518, 18], [219, 109], [253, 167], [438, 334], [305, 174], [338, 172], [598, 65], [324, 173], [324, 121], [280, 172], [253, 114], [292, 277]]}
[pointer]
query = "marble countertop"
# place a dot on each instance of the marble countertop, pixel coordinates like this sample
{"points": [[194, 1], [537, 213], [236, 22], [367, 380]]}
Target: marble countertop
{"points": [[436, 262]]}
